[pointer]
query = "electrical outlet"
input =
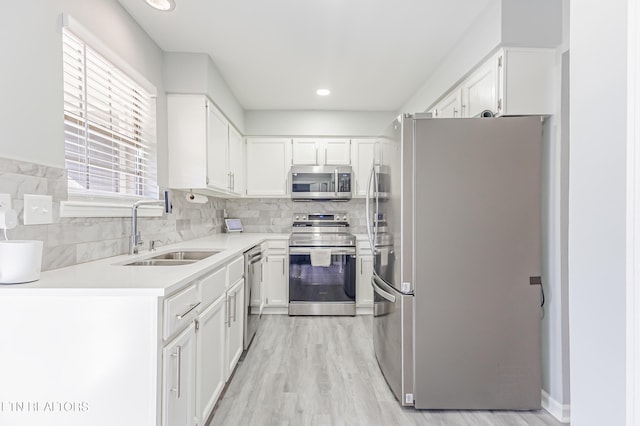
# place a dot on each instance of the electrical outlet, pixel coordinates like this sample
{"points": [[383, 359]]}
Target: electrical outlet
{"points": [[38, 209], [5, 201]]}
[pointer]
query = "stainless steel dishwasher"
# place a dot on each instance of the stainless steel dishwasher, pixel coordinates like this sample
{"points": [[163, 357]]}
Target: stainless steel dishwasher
{"points": [[253, 266]]}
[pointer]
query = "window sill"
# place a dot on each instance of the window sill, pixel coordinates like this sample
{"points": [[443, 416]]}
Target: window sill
{"points": [[101, 209]]}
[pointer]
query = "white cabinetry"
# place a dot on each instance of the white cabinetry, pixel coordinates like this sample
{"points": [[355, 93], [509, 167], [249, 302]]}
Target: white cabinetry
{"points": [[203, 147], [480, 90], [450, 106], [267, 165], [235, 326], [364, 271], [277, 277], [210, 354], [364, 153], [318, 152], [513, 81], [179, 357]]}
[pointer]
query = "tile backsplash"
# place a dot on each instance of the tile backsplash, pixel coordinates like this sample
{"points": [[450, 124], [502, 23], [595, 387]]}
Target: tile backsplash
{"points": [[68, 241], [275, 214]]}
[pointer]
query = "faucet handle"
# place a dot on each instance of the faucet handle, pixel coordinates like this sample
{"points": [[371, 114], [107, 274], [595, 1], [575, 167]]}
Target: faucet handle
{"points": [[152, 244]]}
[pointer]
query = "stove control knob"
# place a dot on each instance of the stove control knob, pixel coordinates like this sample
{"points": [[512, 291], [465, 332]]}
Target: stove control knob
{"points": [[297, 217], [344, 218]]}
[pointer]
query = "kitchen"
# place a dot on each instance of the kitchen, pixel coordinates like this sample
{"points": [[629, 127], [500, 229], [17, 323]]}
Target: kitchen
{"points": [[32, 163]]}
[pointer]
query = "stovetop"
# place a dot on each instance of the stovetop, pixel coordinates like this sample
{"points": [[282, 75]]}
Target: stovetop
{"points": [[321, 230]]}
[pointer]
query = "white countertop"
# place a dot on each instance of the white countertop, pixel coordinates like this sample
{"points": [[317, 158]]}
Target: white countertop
{"points": [[109, 277]]}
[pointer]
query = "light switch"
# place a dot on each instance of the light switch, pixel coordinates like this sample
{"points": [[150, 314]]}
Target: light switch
{"points": [[38, 209]]}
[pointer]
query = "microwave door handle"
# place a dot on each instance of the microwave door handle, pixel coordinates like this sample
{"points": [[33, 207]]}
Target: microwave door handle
{"points": [[335, 171]]}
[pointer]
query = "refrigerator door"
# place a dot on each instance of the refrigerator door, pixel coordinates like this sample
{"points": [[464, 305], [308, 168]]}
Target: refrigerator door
{"points": [[392, 216], [477, 243], [393, 338]]}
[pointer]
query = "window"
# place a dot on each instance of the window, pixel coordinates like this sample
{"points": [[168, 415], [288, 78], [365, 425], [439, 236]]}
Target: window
{"points": [[109, 127]]}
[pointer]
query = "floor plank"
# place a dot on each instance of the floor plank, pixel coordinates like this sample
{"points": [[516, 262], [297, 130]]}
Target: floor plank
{"points": [[322, 371]]}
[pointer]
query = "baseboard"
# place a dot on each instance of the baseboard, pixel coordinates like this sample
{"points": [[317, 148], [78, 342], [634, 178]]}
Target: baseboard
{"points": [[557, 410], [364, 310]]}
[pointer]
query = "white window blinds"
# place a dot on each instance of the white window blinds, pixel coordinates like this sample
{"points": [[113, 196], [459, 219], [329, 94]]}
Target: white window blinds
{"points": [[109, 127]]}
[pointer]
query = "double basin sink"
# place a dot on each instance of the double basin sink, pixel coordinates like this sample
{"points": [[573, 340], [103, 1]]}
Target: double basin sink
{"points": [[174, 258]]}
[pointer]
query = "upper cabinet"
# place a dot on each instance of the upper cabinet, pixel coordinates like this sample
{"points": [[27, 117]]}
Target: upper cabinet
{"points": [[267, 164], [514, 81], [318, 152], [365, 152], [205, 150]]}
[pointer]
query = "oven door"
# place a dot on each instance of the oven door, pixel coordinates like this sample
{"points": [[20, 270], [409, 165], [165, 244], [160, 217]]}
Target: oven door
{"points": [[322, 280]]}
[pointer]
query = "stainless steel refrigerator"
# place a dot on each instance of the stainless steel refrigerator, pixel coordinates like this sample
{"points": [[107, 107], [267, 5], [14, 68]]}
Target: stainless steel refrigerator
{"points": [[454, 222]]}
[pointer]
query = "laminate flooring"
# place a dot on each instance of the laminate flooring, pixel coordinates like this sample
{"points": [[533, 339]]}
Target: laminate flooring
{"points": [[322, 371]]}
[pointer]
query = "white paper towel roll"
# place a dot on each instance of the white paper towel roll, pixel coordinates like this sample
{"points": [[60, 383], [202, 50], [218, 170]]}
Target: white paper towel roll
{"points": [[20, 261], [196, 198]]}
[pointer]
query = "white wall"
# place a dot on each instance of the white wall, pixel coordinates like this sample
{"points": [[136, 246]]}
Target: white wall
{"points": [[196, 73], [313, 123], [31, 100], [527, 23], [480, 40], [597, 209]]}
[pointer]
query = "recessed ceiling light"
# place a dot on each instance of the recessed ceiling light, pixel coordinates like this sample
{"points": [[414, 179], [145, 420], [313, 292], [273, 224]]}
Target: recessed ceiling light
{"points": [[163, 5], [323, 92]]}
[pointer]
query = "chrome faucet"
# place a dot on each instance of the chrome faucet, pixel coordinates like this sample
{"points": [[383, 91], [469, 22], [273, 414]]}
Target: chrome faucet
{"points": [[135, 239]]}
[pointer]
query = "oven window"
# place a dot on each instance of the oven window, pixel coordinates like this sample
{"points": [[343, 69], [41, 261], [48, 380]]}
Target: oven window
{"points": [[334, 283]]}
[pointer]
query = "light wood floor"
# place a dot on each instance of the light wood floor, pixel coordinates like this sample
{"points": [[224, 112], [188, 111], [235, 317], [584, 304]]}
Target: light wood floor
{"points": [[322, 371]]}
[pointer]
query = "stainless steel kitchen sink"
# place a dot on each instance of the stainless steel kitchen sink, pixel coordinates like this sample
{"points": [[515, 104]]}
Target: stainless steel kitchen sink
{"points": [[174, 258], [186, 254], [160, 262]]}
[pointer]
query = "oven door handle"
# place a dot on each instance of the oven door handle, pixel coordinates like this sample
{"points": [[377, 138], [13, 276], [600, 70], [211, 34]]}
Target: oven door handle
{"points": [[334, 251]]}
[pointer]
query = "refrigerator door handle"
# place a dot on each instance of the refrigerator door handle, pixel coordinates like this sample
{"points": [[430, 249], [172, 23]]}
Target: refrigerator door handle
{"points": [[367, 209], [388, 296]]}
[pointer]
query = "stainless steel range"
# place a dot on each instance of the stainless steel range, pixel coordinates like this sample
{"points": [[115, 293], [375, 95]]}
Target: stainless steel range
{"points": [[322, 265]]}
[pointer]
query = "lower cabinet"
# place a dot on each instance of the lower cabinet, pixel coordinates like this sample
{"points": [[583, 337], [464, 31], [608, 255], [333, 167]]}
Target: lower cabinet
{"points": [[179, 376], [235, 326], [198, 362], [364, 271], [210, 357], [277, 277]]}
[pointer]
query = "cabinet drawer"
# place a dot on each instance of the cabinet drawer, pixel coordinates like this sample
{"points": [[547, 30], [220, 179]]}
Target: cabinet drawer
{"points": [[236, 269], [212, 286], [278, 246], [180, 310]]}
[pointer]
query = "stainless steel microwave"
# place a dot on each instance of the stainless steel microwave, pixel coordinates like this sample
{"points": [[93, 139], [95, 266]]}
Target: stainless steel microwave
{"points": [[326, 183]]}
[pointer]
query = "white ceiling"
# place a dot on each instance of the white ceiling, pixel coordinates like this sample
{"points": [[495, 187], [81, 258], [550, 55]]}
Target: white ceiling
{"points": [[274, 54]]}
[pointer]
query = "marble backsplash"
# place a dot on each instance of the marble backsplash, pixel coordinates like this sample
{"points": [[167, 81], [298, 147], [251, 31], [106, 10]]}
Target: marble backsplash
{"points": [[275, 214], [68, 241]]}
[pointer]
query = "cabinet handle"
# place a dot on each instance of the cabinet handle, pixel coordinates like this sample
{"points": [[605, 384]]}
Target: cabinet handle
{"points": [[455, 111], [326, 155], [185, 313], [233, 181], [499, 104], [360, 266], [228, 313], [316, 156], [178, 356], [235, 306]]}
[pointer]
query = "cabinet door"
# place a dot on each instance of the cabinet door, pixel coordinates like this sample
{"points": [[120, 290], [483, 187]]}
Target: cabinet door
{"points": [[480, 90], [277, 291], [364, 291], [305, 152], [187, 137], [235, 326], [210, 357], [337, 152], [217, 142], [268, 164], [236, 169], [450, 106], [364, 155], [178, 377]]}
